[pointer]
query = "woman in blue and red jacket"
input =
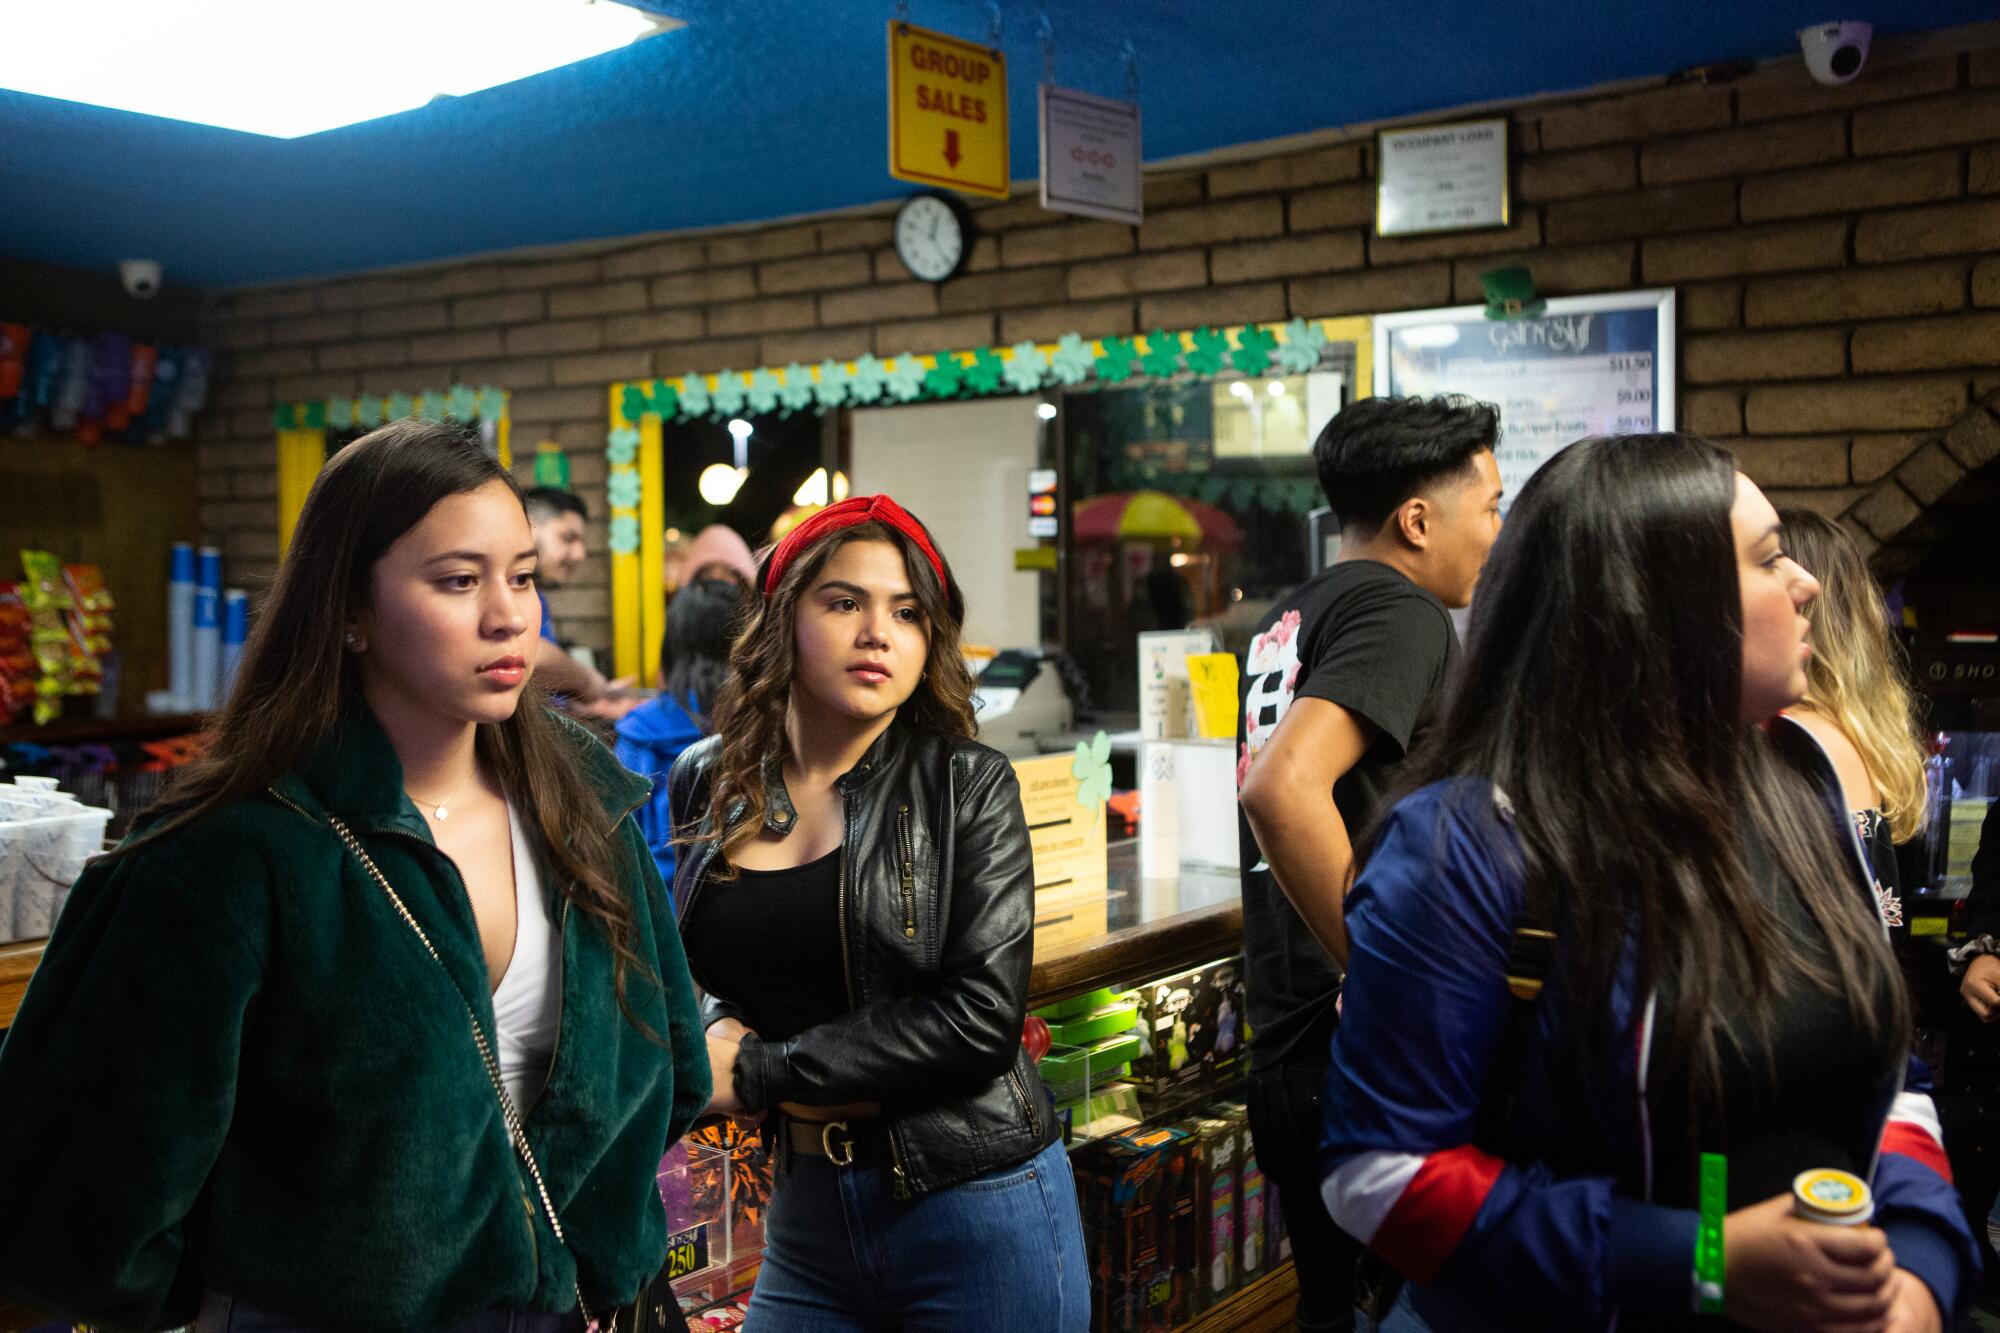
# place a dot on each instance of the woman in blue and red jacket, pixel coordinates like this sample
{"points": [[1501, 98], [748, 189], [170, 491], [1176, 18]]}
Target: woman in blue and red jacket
{"points": [[1717, 977]]}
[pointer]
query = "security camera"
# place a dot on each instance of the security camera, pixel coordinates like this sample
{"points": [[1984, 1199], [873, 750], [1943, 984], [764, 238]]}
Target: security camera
{"points": [[141, 277], [1835, 52]]}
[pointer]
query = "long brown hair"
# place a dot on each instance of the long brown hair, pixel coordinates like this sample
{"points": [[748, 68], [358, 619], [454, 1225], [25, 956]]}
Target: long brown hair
{"points": [[750, 711], [1855, 675], [1601, 691], [295, 677]]}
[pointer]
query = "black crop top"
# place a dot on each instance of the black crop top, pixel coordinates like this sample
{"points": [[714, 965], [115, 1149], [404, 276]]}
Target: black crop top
{"points": [[768, 942]]}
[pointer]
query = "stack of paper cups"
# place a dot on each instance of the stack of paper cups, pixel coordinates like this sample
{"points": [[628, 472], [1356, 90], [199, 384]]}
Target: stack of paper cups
{"points": [[207, 628], [180, 626], [235, 628], [1159, 805]]}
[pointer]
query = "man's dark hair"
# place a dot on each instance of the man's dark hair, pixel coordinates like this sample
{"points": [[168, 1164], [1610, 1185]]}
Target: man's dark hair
{"points": [[546, 502], [1378, 452]]}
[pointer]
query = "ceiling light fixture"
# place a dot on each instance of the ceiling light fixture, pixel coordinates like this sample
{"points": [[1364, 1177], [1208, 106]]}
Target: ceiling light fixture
{"points": [[286, 69]]}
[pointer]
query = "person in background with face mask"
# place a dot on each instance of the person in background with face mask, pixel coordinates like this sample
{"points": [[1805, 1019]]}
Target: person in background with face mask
{"points": [[558, 518], [1621, 922], [856, 891], [380, 1019], [1342, 679]]}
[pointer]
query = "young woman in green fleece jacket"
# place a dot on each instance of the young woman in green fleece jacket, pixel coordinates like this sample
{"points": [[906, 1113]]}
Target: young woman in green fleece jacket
{"points": [[257, 1081]]}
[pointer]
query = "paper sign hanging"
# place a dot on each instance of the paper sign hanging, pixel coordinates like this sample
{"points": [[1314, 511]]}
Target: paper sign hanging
{"points": [[947, 111], [1090, 156]]}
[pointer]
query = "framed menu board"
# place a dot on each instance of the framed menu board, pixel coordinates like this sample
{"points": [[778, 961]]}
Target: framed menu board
{"points": [[1585, 365]]}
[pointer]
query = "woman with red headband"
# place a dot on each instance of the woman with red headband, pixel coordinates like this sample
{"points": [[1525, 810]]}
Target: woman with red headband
{"points": [[857, 901]]}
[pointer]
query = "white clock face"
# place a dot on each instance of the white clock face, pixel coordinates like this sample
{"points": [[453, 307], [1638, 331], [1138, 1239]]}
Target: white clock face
{"points": [[929, 238]]}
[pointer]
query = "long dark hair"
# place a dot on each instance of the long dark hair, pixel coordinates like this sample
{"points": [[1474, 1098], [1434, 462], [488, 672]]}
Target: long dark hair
{"points": [[694, 656], [295, 677], [750, 712], [1601, 691]]}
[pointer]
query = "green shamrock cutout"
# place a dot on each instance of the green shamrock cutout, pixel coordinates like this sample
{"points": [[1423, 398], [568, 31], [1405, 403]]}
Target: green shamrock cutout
{"points": [[835, 382], [1253, 349], [1300, 351], [1211, 348], [797, 395], [315, 416], [664, 400], [1072, 360], [763, 392], [1117, 361], [1163, 354], [945, 377], [621, 446], [462, 402], [285, 416], [695, 401], [400, 406], [728, 393], [870, 380], [985, 372], [623, 539], [340, 413], [906, 379], [492, 402], [622, 489], [633, 403], [369, 412], [1092, 770], [1024, 370], [430, 407]]}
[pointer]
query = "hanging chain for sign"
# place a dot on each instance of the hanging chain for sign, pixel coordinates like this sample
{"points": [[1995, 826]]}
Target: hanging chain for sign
{"points": [[1131, 72], [1048, 39], [993, 32]]}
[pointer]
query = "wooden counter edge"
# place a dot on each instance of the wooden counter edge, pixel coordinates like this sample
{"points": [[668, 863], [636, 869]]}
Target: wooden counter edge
{"points": [[1138, 952], [1125, 955], [1267, 1305], [17, 963]]}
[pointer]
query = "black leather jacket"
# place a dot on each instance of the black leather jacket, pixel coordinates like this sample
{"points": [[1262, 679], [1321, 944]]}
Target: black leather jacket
{"points": [[936, 938]]}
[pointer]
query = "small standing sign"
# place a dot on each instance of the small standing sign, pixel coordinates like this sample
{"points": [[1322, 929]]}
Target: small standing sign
{"points": [[947, 111], [1090, 156], [1441, 178]]}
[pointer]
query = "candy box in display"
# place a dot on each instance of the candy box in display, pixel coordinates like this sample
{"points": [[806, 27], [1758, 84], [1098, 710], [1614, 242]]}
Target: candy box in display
{"points": [[1177, 1027], [1215, 1275]]}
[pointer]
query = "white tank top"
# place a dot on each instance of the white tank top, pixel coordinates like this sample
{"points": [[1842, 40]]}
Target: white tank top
{"points": [[527, 1005]]}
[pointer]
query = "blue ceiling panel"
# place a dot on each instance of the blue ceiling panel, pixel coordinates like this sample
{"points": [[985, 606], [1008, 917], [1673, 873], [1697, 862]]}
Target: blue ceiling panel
{"points": [[762, 109]]}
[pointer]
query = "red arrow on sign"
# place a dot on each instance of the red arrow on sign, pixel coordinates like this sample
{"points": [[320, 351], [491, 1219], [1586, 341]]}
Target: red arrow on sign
{"points": [[951, 153]]}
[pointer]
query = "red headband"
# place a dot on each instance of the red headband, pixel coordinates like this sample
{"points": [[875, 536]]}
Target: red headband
{"points": [[851, 512]]}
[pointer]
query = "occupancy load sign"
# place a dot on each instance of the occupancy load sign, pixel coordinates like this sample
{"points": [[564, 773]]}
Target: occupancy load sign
{"points": [[947, 111]]}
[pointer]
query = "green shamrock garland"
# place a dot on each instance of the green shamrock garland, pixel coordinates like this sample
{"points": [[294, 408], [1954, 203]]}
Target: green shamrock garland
{"points": [[945, 377], [1211, 348], [986, 371], [1253, 350], [1303, 343], [1024, 369], [1163, 354], [797, 395], [906, 379], [1117, 361]]}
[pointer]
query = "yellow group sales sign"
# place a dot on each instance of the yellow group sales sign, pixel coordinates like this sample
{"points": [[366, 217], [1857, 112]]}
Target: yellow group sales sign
{"points": [[947, 111]]}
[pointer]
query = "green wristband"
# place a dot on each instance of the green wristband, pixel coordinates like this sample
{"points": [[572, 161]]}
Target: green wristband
{"points": [[1708, 1241]]}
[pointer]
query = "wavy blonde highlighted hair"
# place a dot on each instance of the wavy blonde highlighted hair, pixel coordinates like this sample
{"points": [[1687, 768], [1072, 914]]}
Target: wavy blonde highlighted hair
{"points": [[1856, 676]]}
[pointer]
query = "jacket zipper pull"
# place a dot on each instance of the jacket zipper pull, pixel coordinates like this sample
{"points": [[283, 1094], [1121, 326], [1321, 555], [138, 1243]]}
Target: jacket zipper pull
{"points": [[909, 874], [902, 1187]]}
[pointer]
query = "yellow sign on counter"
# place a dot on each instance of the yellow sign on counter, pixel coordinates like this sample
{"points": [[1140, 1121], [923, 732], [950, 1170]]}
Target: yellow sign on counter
{"points": [[947, 111], [1068, 841], [1212, 676]]}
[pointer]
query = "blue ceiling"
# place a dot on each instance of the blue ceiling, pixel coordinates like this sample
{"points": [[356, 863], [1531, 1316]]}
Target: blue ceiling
{"points": [[766, 108]]}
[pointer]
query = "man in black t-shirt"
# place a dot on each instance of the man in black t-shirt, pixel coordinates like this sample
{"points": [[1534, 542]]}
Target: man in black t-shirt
{"points": [[1342, 678]]}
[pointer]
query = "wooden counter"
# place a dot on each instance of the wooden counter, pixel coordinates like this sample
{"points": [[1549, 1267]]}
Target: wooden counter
{"points": [[17, 964]]}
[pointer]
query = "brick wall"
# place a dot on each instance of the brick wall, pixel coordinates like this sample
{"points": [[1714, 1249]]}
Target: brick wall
{"points": [[1837, 252]]}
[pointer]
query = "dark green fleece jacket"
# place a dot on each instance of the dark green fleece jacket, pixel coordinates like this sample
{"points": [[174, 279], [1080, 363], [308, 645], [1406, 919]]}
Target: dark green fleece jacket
{"points": [[237, 1069]]}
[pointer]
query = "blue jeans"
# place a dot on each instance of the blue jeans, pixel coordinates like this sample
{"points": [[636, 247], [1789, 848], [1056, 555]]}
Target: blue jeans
{"points": [[1000, 1252]]}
